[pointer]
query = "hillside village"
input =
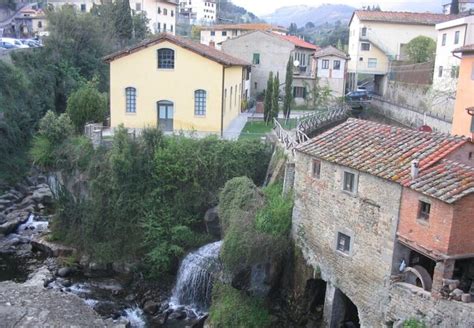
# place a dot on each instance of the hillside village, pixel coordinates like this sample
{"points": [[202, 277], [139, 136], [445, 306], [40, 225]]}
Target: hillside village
{"points": [[173, 167]]}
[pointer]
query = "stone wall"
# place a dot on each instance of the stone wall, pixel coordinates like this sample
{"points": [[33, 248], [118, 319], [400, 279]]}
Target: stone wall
{"points": [[369, 217], [410, 116], [408, 301]]}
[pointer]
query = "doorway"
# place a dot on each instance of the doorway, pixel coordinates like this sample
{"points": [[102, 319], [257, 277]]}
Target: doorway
{"points": [[165, 115]]}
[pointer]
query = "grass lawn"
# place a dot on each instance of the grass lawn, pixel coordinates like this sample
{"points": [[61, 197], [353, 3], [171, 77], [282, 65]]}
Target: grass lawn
{"points": [[258, 129]]}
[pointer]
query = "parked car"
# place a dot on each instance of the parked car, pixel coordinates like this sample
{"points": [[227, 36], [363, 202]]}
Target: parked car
{"points": [[5, 45], [357, 99], [14, 42]]}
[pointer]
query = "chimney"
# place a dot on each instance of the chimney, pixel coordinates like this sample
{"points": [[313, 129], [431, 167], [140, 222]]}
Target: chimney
{"points": [[415, 169]]}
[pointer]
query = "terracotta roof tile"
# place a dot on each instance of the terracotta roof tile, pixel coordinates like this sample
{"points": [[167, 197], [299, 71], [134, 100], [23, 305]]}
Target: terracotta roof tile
{"points": [[385, 151], [299, 42], [403, 17], [448, 181], [201, 49], [331, 51]]}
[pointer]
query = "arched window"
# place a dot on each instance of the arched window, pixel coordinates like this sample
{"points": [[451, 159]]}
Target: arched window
{"points": [[166, 58], [200, 102], [131, 100]]}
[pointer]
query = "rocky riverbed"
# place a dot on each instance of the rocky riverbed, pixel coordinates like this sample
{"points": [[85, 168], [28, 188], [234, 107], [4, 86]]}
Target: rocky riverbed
{"points": [[40, 284]]}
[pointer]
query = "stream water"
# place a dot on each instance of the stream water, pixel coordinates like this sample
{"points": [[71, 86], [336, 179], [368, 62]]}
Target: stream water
{"points": [[109, 297]]}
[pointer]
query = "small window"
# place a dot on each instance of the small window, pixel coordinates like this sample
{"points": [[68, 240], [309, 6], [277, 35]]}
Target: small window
{"points": [[454, 72], [164, 27], [165, 11], [361, 59], [372, 63], [158, 27], [255, 85], [171, 28], [325, 64], [424, 210], [349, 182], [343, 243], [131, 100], [443, 41], [364, 31], [256, 59], [138, 6], [364, 46], [200, 102], [440, 71], [224, 33], [159, 10], [172, 13], [40, 24], [456, 37], [166, 58], [83, 8], [336, 65], [316, 168], [213, 33], [299, 92]]}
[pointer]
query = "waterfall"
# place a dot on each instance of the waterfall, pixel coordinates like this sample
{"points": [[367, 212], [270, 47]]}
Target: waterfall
{"points": [[195, 277]]}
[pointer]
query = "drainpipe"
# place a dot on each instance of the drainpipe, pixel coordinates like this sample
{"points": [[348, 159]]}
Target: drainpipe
{"points": [[222, 102]]}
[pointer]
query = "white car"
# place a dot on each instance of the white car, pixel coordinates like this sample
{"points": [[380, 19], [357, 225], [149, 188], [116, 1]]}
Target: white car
{"points": [[15, 42]]}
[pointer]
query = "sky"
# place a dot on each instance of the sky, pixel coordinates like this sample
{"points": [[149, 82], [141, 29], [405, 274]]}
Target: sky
{"points": [[263, 7]]}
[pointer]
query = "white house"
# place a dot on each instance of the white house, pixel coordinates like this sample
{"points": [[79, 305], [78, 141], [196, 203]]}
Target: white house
{"points": [[161, 13], [451, 35], [464, 6], [198, 11], [331, 69]]}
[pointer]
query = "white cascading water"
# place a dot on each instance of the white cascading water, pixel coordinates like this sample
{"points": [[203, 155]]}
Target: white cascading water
{"points": [[195, 277]]}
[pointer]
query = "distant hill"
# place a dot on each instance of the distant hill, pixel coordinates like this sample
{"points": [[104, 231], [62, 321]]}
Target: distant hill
{"points": [[230, 13], [302, 14]]}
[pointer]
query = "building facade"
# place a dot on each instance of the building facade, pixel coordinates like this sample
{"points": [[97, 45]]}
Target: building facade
{"points": [[199, 88], [360, 189], [331, 69], [270, 52], [451, 35], [161, 13], [463, 120], [378, 37], [198, 11], [216, 34]]}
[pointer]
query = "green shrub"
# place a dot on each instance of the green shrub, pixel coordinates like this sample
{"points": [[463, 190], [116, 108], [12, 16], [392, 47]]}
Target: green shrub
{"points": [[86, 105], [55, 128], [413, 323], [275, 217], [42, 152], [232, 308]]}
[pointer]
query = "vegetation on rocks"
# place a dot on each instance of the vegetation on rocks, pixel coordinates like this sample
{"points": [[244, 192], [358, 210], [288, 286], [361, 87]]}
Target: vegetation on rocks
{"points": [[233, 308], [148, 196]]}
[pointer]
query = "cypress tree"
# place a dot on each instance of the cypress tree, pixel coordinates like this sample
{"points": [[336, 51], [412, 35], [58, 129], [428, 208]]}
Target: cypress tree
{"points": [[268, 99], [288, 88], [123, 20], [454, 9], [275, 96]]}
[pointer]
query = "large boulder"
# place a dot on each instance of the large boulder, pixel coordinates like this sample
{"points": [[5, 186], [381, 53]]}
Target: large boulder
{"points": [[42, 194]]}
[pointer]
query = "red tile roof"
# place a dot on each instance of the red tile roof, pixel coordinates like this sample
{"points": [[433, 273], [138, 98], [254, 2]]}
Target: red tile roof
{"points": [[382, 150], [448, 181], [331, 51], [201, 49], [299, 42], [466, 48], [403, 17], [245, 27]]}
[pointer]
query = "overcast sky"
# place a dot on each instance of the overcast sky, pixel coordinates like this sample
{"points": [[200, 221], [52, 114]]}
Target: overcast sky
{"points": [[263, 7]]}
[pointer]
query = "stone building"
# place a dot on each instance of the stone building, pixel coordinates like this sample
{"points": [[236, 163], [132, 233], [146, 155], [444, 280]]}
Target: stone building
{"points": [[270, 52], [352, 186]]}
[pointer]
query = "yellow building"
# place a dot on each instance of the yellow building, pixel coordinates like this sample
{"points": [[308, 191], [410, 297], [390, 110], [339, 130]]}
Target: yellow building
{"points": [[175, 84], [463, 120]]}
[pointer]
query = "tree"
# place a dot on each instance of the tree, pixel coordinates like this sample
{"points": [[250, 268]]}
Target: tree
{"points": [[267, 110], [288, 88], [86, 104], [293, 29], [309, 25], [140, 26], [275, 97], [123, 20], [421, 49], [319, 96], [454, 9]]}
